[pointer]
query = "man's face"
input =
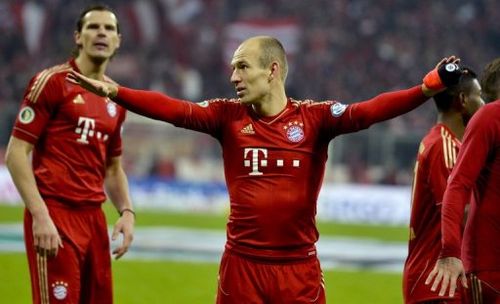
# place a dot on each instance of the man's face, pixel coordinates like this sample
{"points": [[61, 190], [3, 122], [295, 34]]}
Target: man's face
{"points": [[250, 79], [99, 38], [473, 101]]}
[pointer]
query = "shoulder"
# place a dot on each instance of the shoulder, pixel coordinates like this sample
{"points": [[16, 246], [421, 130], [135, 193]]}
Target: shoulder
{"points": [[441, 143], [335, 108], [220, 102], [45, 78]]}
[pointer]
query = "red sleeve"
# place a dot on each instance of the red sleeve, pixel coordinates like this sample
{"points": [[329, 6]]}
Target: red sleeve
{"points": [[204, 116], [363, 114], [478, 138], [39, 102]]}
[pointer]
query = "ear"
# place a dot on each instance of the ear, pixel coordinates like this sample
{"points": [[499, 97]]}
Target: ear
{"points": [[462, 98], [274, 72], [119, 41], [77, 37]]}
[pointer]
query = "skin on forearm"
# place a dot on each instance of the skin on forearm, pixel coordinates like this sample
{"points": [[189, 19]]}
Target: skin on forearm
{"points": [[18, 163], [117, 185]]}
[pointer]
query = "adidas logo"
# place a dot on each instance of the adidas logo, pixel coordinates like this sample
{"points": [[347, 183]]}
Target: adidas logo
{"points": [[78, 99], [248, 129]]}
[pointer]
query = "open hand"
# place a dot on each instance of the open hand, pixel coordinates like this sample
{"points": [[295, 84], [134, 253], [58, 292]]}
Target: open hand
{"points": [[101, 88]]}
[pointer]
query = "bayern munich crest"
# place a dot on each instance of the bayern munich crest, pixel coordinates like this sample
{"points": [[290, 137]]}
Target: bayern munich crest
{"points": [[294, 131], [60, 290], [111, 107]]}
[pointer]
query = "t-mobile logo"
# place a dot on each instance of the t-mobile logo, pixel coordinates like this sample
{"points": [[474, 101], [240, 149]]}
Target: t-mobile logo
{"points": [[86, 128], [257, 158], [253, 154]]}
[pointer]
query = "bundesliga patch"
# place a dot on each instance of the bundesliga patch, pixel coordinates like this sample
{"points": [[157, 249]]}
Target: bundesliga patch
{"points": [[337, 109], [111, 107], [60, 290], [294, 131], [26, 115]]}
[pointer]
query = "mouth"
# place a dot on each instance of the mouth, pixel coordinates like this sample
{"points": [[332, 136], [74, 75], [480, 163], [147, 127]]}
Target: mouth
{"points": [[240, 92], [101, 46]]}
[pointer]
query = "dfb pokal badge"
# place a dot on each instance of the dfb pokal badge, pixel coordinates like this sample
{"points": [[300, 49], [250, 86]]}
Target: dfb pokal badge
{"points": [[294, 131]]}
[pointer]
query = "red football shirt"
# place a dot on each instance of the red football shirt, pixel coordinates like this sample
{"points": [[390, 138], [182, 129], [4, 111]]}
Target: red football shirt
{"points": [[273, 166], [477, 169], [74, 133], [436, 157]]}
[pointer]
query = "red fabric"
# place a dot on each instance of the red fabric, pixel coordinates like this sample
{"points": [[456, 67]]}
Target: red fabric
{"points": [[477, 169], [274, 166], [243, 280], [74, 133], [81, 271], [436, 157]]}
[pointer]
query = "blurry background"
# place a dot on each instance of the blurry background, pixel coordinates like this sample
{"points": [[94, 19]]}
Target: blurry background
{"points": [[342, 50]]}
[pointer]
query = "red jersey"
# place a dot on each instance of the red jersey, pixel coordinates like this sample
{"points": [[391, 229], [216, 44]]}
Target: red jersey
{"points": [[436, 157], [477, 169], [273, 166], [74, 133]]}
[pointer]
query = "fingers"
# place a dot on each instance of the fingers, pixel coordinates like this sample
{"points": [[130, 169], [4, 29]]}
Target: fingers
{"points": [[437, 280], [431, 275], [116, 230], [48, 245], [463, 278]]}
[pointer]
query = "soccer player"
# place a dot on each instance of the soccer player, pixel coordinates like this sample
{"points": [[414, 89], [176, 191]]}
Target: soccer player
{"points": [[76, 143], [436, 157], [274, 150], [477, 171]]}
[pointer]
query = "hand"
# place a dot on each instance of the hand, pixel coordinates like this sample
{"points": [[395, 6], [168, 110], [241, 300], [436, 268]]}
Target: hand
{"points": [[124, 225], [46, 238], [447, 271], [445, 74], [101, 88]]}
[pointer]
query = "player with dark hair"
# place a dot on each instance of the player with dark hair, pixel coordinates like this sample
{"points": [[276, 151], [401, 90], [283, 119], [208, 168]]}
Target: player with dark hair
{"points": [[478, 172], [436, 157], [274, 150], [76, 143]]}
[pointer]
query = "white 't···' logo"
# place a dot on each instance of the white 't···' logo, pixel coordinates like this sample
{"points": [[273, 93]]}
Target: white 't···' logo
{"points": [[337, 109], [60, 290], [26, 115]]}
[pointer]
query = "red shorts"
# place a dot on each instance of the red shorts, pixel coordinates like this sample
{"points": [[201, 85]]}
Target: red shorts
{"points": [[81, 271], [245, 280], [484, 287]]}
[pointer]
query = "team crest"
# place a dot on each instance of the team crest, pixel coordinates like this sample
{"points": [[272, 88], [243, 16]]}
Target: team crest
{"points": [[111, 107], [294, 131], [26, 115], [337, 109], [60, 290]]}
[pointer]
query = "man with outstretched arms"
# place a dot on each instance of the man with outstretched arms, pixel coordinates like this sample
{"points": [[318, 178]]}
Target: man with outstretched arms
{"points": [[75, 142], [274, 150]]}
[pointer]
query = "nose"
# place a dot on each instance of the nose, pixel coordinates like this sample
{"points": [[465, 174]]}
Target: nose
{"points": [[235, 77]]}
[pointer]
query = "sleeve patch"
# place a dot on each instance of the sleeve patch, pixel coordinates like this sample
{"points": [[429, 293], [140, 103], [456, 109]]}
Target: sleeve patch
{"points": [[26, 115], [337, 109]]}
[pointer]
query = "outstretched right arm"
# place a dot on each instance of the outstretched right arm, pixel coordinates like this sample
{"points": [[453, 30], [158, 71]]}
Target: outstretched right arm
{"points": [[46, 237], [155, 105]]}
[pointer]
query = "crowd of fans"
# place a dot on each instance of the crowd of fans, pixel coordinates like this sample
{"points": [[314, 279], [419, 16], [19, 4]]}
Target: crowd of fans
{"points": [[348, 50]]}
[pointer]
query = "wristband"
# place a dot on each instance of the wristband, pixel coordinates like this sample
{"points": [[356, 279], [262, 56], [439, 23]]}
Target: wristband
{"points": [[126, 209]]}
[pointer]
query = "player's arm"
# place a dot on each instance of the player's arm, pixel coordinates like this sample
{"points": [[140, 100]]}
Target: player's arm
{"points": [[17, 159], [389, 105], [117, 189]]}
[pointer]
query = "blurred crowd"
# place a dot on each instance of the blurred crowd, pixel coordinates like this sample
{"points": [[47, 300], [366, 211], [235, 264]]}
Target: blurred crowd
{"points": [[347, 50]]}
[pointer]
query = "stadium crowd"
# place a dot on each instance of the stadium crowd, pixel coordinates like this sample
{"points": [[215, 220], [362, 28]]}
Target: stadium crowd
{"points": [[347, 50]]}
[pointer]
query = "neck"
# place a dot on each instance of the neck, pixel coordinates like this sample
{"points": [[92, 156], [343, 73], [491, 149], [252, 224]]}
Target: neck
{"points": [[91, 68], [272, 104], [454, 122]]}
